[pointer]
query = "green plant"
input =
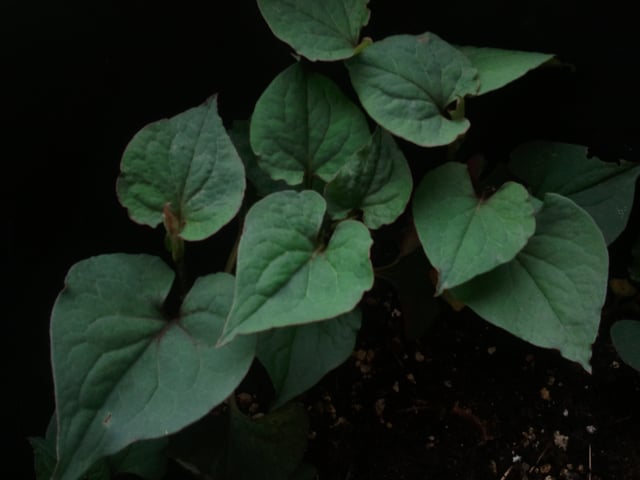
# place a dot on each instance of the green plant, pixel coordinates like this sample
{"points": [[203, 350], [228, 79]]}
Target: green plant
{"points": [[140, 351]]}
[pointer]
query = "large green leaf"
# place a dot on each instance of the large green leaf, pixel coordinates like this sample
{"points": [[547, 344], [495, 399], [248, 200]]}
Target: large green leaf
{"points": [[122, 371], [304, 126], [288, 273], [376, 180], [187, 164], [298, 357], [319, 30], [464, 235], [625, 335], [497, 67], [414, 87], [605, 190], [551, 294]]}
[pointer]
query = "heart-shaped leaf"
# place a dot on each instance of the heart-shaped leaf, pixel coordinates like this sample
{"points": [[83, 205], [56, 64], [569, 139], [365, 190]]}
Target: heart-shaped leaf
{"points": [[304, 126], [288, 274], [551, 294], [376, 180], [326, 30], [605, 190], [187, 164], [414, 86], [464, 235], [298, 357], [497, 67], [625, 335], [122, 371]]}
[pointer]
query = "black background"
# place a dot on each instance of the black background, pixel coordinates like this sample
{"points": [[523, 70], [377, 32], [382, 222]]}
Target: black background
{"points": [[80, 78]]}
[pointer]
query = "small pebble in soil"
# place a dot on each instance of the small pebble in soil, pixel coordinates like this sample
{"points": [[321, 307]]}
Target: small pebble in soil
{"points": [[560, 440], [545, 394]]}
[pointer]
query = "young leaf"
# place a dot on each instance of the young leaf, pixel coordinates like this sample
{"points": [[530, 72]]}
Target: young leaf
{"points": [[304, 126], [287, 274], [187, 163], [319, 30], [298, 357], [122, 371], [551, 294], [497, 67], [414, 87], [261, 181], [376, 180], [464, 235], [605, 190], [625, 335]]}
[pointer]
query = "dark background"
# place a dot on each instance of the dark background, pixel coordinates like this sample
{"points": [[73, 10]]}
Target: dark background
{"points": [[80, 78]]}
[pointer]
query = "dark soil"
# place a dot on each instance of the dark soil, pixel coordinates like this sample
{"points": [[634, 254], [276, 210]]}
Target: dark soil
{"points": [[469, 401]]}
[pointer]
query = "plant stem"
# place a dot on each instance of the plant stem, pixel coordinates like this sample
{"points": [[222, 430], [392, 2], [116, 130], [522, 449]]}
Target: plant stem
{"points": [[177, 254]]}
